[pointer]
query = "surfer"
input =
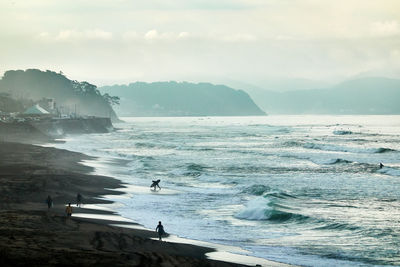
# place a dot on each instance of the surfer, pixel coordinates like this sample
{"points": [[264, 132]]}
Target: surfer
{"points": [[155, 184], [49, 202], [78, 200], [68, 210], [381, 165], [160, 230]]}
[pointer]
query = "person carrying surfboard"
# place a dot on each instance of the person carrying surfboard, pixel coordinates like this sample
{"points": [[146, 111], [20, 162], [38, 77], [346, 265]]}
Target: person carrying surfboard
{"points": [[155, 184], [160, 230]]}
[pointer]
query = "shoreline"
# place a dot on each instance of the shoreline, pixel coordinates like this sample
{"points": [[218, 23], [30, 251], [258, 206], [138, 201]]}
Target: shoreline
{"points": [[33, 235], [224, 253]]}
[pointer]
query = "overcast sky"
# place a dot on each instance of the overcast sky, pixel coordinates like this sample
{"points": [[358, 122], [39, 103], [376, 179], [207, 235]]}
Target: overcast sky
{"points": [[121, 41]]}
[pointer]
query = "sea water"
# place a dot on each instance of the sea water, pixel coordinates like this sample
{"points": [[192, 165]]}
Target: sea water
{"points": [[305, 190]]}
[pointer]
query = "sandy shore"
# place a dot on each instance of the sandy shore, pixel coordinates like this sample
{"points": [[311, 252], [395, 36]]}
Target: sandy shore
{"points": [[35, 236]]}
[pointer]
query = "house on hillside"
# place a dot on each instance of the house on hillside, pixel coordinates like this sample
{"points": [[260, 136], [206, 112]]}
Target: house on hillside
{"points": [[36, 112], [4, 116], [49, 104]]}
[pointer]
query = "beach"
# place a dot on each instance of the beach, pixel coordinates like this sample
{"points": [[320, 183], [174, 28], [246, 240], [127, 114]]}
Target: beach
{"points": [[302, 190], [32, 234]]}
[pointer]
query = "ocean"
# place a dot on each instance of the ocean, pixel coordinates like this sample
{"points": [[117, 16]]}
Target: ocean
{"points": [[304, 190]]}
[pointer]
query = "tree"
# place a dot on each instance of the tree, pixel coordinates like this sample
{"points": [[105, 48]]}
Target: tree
{"points": [[111, 100]]}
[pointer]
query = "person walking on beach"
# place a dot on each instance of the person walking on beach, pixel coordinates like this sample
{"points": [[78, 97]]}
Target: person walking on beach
{"points": [[78, 200], [49, 202], [155, 184], [68, 210], [160, 230]]}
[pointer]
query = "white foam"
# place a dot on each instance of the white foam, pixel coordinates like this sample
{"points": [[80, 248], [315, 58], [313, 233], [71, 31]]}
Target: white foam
{"points": [[256, 209], [102, 217], [243, 259], [135, 189]]}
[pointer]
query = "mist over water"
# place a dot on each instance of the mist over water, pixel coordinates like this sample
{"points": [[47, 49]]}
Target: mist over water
{"points": [[298, 189]]}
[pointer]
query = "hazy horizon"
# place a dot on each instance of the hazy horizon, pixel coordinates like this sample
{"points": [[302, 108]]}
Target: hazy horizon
{"points": [[231, 41]]}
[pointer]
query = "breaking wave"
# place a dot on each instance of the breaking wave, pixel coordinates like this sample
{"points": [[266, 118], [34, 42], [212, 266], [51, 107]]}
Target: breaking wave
{"points": [[339, 161], [390, 171], [263, 208], [342, 132], [257, 189], [347, 149], [338, 226], [196, 167], [384, 150], [269, 205]]}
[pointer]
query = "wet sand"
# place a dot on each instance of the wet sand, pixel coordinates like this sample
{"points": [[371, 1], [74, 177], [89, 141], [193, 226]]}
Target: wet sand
{"points": [[33, 235]]}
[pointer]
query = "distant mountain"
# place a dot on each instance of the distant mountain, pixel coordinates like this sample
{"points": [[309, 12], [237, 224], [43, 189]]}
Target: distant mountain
{"points": [[290, 84], [69, 95], [373, 95], [181, 99]]}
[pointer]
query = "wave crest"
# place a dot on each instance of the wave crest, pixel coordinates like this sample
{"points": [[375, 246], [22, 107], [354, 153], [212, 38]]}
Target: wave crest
{"points": [[390, 171], [342, 132], [257, 189], [339, 161], [347, 149], [265, 209]]}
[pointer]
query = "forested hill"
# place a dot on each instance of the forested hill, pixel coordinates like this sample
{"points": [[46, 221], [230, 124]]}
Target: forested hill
{"points": [[181, 99], [70, 95]]}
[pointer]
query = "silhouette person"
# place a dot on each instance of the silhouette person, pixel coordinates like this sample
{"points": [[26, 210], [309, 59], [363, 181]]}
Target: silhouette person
{"points": [[49, 202], [68, 210], [155, 184], [160, 230], [78, 200], [381, 165]]}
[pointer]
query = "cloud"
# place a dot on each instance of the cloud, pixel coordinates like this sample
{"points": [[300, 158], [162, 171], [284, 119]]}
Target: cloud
{"points": [[239, 37], [385, 28], [232, 38], [68, 35], [151, 35], [130, 35], [183, 35], [43, 35], [154, 35], [73, 35], [98, 34]]}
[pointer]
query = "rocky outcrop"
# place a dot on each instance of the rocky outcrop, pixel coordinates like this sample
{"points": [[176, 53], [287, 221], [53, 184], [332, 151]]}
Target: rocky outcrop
{"points": [[45, 130]]}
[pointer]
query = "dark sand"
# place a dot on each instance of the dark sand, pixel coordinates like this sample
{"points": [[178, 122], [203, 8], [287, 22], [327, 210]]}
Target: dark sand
{"points": [[30, 235]]}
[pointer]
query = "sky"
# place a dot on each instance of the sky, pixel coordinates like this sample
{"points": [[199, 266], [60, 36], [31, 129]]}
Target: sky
{"points": [[249, 41]]}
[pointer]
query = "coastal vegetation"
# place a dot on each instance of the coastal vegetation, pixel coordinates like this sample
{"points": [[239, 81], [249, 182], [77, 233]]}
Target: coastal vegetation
{"points": [[71, 96], [9, 104]]}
